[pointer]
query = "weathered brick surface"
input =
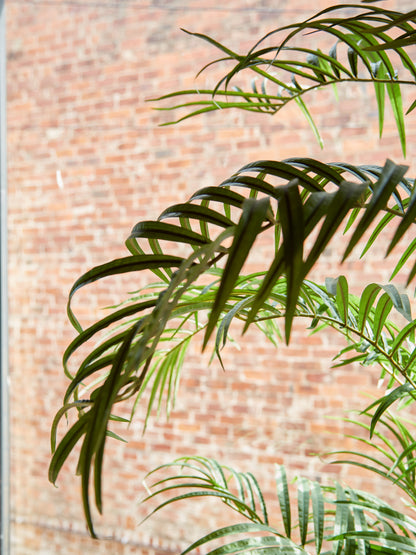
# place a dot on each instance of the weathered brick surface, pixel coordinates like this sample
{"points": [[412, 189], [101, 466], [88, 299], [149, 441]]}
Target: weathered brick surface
{"points": [[79, 75]]}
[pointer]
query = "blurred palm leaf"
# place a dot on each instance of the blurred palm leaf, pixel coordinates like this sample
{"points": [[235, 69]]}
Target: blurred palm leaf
{"points": [[334, 519], [390, 450], [372, 46]]}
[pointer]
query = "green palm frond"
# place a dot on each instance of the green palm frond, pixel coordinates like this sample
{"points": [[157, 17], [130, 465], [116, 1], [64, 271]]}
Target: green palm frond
{"points": [[388, 450], [364, 48], [345, 520], [134, 354], [322, 306], [197, 250]]}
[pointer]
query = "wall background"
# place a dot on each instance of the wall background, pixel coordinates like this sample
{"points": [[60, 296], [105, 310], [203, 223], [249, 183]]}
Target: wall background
{"points": [[79, 75]]}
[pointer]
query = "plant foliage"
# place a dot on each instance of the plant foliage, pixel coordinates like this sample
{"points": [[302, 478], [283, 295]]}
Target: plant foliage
{"points": [[350, 521], [367, 45], [302, 204]]}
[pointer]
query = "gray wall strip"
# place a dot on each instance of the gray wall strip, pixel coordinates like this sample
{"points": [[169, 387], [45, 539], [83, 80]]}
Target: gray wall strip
{"points": [[4, 374]]}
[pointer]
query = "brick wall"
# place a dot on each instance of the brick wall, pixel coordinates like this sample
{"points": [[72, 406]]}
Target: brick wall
{"points": [[79, 75]]}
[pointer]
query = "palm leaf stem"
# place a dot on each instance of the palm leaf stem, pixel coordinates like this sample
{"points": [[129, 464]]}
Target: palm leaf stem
{"points": [[283, 100], [345, 328]]}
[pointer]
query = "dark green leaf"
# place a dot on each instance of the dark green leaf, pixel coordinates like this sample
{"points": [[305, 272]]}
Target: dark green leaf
{"points": [[120, 266], [245, 528], [382, 190], [393, 44], [254, 184], [393, 90], [283, 170], [291, 218], [196, 212], [353, 58], [385, 402], [315, 208], [408, 219], [219, 194], [318, 515], [168, 232], [342, 201], [85, 335], [252, 218], [66, 446], [95, 435]]}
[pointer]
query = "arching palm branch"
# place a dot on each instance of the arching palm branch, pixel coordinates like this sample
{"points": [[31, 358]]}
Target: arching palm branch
{"points": [[203, 290], [364, 40]]}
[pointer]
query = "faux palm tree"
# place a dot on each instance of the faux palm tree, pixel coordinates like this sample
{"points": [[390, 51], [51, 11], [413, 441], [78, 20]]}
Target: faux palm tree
{"points": [[202, 291]]}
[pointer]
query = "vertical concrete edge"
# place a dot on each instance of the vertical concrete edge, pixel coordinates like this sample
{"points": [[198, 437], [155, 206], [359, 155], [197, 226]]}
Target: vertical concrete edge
{"points": [[4, 374]]}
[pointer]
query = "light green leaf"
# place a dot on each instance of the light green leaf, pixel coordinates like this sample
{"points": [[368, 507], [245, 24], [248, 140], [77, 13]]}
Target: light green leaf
{"points": [[299, 101], [342, 298], [400, 301], [395, 95], [389, 540], [284, 500], [382, 310], [411, 107], [403, 259], [367, 299], [258, 545], [244, 528], [318, 515], [382, 224], [342, 516], [303, 508], [380, 90]]}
